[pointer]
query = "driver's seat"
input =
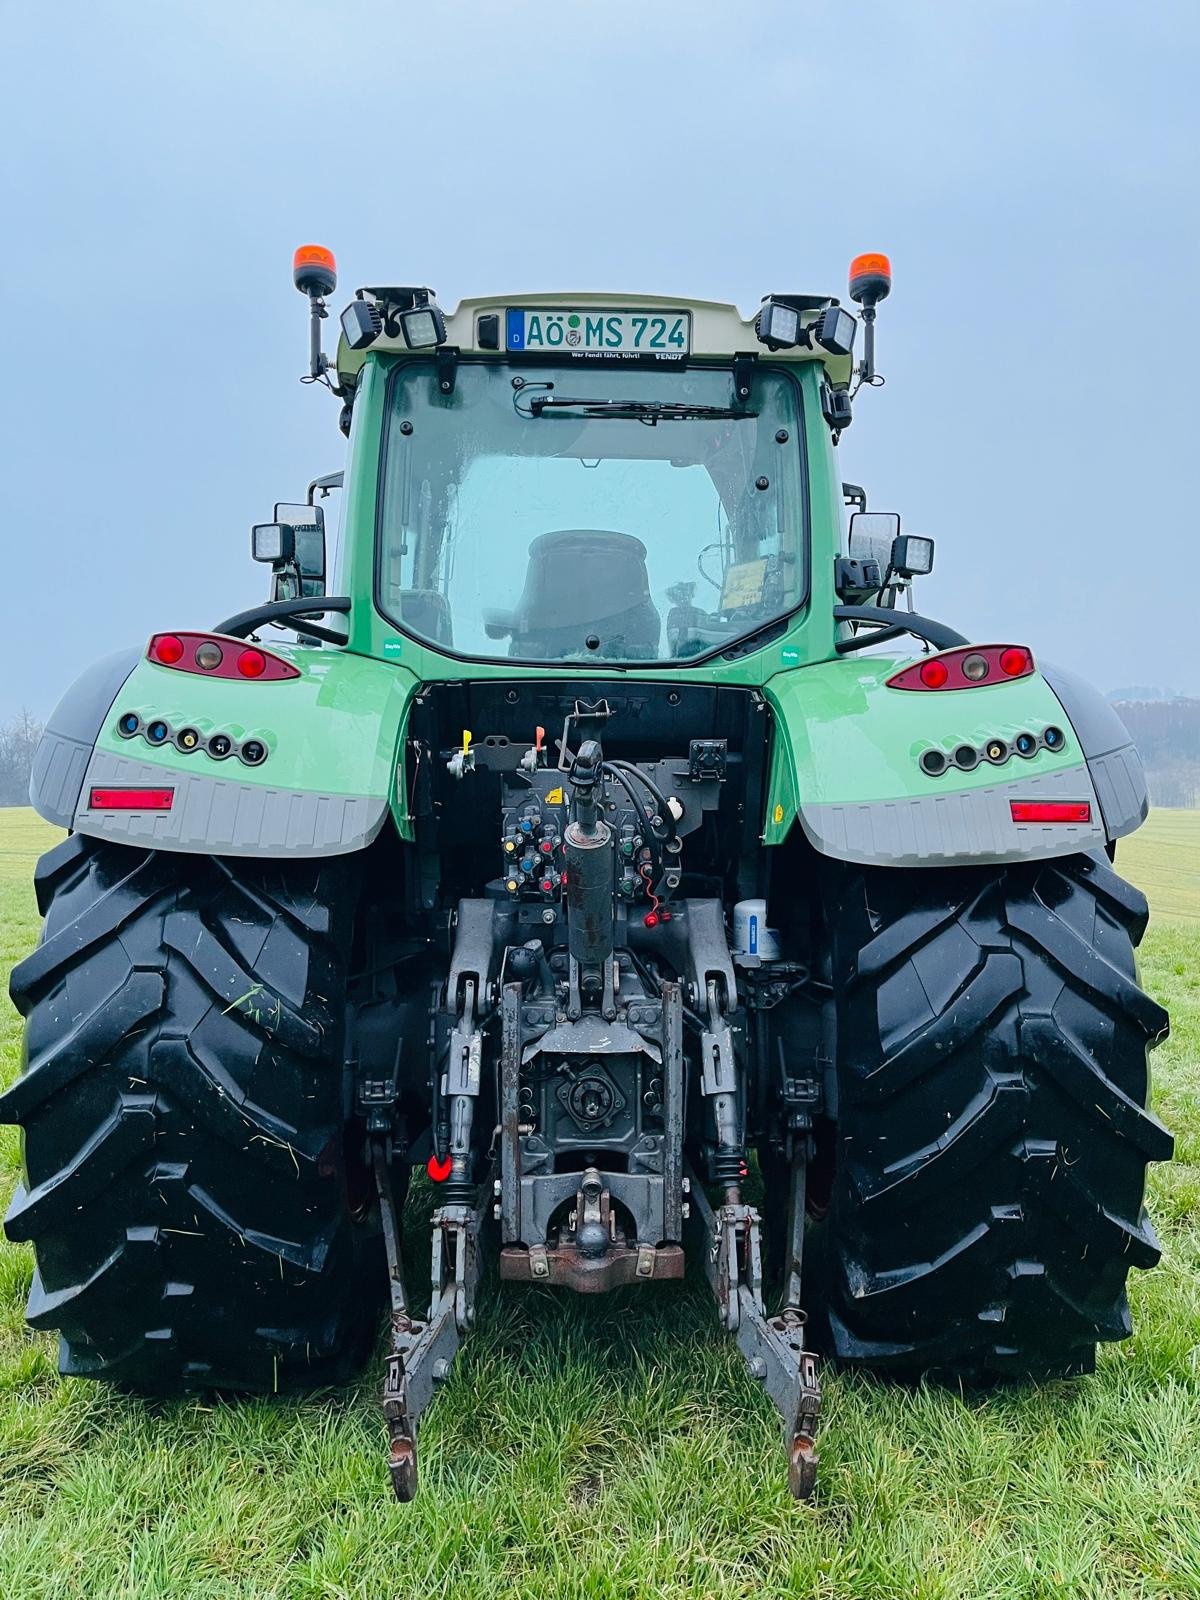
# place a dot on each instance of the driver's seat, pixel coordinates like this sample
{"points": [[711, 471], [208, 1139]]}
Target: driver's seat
{"points": [[583, 581]]}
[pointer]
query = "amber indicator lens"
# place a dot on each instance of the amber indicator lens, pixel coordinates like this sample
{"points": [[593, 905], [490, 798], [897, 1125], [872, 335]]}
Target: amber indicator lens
{"points": [[209, 655], [975, 668]]}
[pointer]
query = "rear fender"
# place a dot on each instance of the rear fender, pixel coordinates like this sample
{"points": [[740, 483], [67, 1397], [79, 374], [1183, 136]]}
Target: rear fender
{"points": [[332, 736], [846, 756]]}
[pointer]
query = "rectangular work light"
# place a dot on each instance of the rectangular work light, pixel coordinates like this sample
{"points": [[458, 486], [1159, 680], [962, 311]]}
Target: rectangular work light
{"points": [[777, 325], [834, 331], [424, 327], [362, 323]]}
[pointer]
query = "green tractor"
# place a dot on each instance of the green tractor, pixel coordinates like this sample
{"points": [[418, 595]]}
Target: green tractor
{"points": [[613, 841]]}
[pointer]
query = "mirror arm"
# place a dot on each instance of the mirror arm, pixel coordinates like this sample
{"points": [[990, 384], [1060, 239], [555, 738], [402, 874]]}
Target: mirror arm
{"points": [[863, 641], [330, 480], [243, 623], [893, 623]]}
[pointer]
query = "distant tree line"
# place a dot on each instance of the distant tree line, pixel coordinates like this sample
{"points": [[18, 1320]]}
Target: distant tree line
{"points": [[1167, 734], [18, 741]]}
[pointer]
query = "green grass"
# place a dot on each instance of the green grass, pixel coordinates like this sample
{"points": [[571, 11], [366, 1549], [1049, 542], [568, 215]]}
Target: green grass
{"points": [[614, 1448], [1163, 859]]}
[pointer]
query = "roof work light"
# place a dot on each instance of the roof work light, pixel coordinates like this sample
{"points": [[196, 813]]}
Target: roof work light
{"points": [[422, 324], [362, 323], [778, 325]]}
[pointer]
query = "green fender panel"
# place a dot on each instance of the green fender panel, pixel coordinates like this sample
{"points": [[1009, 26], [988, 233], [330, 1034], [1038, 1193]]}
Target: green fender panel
{"points": [[846, 764], [332, 771]]}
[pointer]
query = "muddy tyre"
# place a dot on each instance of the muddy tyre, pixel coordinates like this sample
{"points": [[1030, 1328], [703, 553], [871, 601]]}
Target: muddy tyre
{"points": [[993, 1132], [182, 1105]]}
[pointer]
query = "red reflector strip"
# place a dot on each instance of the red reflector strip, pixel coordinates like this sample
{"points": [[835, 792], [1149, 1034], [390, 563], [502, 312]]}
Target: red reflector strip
{"points": [[131, 799], [1050, 810]]}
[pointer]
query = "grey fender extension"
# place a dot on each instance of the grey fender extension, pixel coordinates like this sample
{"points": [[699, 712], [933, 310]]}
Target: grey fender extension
{"points": [[217, 814]]}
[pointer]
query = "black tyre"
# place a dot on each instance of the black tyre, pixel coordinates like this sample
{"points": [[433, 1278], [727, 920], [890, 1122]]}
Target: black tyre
{"points": [[183, 1111], [993, 1136]]}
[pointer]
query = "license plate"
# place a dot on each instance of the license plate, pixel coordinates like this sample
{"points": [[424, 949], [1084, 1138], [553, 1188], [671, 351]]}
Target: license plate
{"points": [[661, 334]]}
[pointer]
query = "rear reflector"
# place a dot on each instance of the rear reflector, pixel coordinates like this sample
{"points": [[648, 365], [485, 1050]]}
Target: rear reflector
{"points": [[131, 799], [1050, 810]]}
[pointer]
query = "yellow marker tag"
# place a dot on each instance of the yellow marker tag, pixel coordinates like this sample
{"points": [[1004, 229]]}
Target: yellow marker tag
{"points": [[555, 797], [467, 737], [778, 814], [509, 846]]}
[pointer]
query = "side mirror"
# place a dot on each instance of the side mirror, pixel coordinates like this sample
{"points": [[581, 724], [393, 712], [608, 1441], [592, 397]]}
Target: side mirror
{"points": [[873, 535], [294, 544]]}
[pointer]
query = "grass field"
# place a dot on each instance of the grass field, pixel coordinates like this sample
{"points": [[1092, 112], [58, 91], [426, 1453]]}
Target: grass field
{"points": [[615, 1449]]}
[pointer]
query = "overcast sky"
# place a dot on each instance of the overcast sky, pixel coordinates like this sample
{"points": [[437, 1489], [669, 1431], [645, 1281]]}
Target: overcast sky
{"points": [[1030, 167]]}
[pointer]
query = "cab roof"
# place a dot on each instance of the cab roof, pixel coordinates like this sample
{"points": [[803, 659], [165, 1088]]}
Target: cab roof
{"points": [[718, 330]]}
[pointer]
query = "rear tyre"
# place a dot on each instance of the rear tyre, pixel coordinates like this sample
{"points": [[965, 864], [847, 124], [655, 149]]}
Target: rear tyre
{"points": [[993, 1136], [183, 1113]]}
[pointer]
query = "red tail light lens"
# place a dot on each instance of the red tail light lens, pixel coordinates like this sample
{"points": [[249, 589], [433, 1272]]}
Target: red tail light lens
{"points": [[166, 648], [131, 799], [1050, 810], [968, 667], [215, 656], [1014, 662]]}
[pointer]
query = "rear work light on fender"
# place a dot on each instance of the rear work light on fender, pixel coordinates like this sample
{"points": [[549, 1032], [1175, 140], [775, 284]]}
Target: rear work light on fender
{"points": [[966, 667], [131, 799], [214, 655]]}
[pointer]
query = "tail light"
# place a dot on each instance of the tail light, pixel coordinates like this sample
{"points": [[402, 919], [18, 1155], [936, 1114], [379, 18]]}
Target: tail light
{"points": [[212, 655], [966, 667]]}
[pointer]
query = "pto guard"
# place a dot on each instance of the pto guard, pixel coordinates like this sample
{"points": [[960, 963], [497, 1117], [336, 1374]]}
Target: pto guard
{"points": [[847, 755], [329, 777]]}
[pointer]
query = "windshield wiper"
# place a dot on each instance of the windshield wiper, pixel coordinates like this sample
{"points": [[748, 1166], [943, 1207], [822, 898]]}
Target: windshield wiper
{"points": [[651, 412]]}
